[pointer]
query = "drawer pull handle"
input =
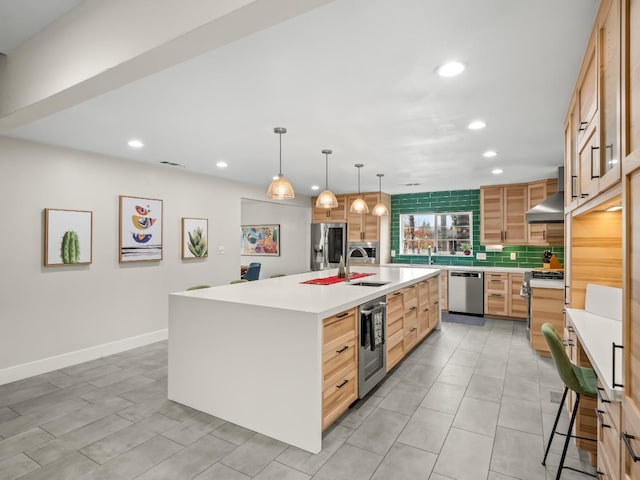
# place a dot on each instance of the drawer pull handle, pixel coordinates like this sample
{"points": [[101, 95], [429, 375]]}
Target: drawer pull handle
{"points": [[413, 329], [425, 309], [599, 473], [625, 438], [344, 382], [599, 417], [570, 328], [346, 347], [412, 308], [342, 315], [582, 126], [397, 293], [567, 342], [600, 397]]}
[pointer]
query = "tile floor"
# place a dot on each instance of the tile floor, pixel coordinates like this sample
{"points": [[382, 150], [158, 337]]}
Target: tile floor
{"points": [[468, 403]]}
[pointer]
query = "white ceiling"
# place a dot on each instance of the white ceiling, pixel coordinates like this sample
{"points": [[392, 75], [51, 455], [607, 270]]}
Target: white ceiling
{"points": [[356, 76]]}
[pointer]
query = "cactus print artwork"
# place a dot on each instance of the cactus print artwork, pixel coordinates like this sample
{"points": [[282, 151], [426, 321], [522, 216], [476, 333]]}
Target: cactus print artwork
{"points": [[68, 238]]}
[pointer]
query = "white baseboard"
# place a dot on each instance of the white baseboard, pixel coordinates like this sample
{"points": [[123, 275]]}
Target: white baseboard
{"points": [[18, 372]]}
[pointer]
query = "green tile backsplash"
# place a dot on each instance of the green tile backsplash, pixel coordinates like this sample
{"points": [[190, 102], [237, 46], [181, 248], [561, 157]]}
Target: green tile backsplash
{"points": [[460, 200]]}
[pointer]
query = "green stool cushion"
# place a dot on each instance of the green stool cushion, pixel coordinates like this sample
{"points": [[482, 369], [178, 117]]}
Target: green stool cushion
{"points": [[581, 380]]}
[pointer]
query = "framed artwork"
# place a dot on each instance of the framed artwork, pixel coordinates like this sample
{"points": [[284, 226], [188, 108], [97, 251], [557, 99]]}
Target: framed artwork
{"points": [[68, 237], [195, 238], [260, 240], [140, 229]]}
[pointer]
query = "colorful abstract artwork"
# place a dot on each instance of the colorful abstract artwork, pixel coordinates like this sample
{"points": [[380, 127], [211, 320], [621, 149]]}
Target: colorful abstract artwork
{"points": [[140, 229], [195, 238], [260, 240], [68, 237]]}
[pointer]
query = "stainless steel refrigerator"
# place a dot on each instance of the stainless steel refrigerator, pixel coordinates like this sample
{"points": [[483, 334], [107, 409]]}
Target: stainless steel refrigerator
{"points": [[328, 243]]}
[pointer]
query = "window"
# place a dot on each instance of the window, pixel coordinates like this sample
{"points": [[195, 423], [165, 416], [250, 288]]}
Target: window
{"points": [[445, 233]]}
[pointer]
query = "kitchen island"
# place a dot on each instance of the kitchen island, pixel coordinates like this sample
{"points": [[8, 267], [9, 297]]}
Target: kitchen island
{"points": [[252, 353]]}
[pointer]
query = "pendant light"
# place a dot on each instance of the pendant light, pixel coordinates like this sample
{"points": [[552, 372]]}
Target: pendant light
{"points": [[380, 210], [280, 187], [359, 205], [326, 199]]}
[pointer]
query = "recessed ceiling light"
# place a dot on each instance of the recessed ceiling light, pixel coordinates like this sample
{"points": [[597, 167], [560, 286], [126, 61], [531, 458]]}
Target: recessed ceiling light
{"points": [[315, 187], [496, 171], [490, 153], [476, 125], [222, 164], [135, 143], [450, 69]]}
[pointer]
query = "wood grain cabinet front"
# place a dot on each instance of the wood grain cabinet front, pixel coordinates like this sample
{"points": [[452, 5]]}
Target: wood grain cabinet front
{"points": [[547, 305], [502, 209], [395, 328], [339, 364], [608, 415], [410, 317], [496, 294], [329, 215]]}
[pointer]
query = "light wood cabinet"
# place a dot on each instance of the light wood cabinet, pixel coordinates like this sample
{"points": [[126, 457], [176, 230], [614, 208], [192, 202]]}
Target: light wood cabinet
{"points": [[587, 90], [517, 304], [502, 210], [546, 306], [434, 302], [588, 155], [551, 234], [444, 292], [329, 215], [339, 365], [395, 328], [608, 416], [363, 227], [631, 321], [424, 306], [410, 317], [496, 294]]}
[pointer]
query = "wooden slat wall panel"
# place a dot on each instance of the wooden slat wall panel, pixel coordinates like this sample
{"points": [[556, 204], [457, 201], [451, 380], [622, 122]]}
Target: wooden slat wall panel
{"points": [[596, 253]]}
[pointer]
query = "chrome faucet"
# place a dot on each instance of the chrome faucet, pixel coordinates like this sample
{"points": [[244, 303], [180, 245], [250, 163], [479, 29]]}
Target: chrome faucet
{"points": [[348, 263]]}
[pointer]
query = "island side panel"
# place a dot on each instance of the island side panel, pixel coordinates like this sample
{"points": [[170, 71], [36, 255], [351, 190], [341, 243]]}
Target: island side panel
{"points": [[257, 367]]}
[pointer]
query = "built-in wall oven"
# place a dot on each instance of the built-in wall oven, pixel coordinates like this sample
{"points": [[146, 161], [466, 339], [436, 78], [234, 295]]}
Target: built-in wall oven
{"points": [[372, 356], [363, 252]]}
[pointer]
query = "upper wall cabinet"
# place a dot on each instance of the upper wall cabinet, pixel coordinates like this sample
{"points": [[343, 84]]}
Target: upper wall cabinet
{"points": [[502, 209], [330, 215], [551, 234], [592, 126], [363, 227]]}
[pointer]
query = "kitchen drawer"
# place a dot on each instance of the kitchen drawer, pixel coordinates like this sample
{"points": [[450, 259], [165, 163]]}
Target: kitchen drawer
{"points": [[496, 282], [434, 290], [608, 444], [423, 293], [395, 307], [336, 361], [395, 349], [410, 335], [434, 317], [630, 427], [538, 342], [339, 328], [410, 314], [337, 397], [410, 298], [393, 328], [606, 471], [611, 409]]}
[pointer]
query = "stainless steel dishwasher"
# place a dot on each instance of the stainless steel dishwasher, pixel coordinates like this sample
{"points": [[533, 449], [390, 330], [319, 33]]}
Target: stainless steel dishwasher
{"points": [[466, 292]]}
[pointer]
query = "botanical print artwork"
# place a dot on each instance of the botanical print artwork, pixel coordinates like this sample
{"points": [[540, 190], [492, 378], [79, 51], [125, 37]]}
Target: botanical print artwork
{"points": [[140, 229], [260, 240], [68, 237], [195, 238]]}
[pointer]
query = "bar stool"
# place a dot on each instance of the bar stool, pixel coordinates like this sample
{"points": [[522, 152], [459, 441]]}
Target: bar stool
{"points": [[581, 380]]}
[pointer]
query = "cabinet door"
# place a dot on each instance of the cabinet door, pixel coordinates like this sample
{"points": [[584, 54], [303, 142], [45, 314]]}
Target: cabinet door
{"points": [[515, 206], [444, 291], [546, 306], [517, 304], [587, 91], [370, 223], [589, 159], [354, 222], [631, 328], [570, 160], [491, 215], [334, 215], [537, 193], [609, 43]]}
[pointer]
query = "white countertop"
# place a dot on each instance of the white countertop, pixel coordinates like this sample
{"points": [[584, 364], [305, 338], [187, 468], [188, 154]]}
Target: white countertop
{"points": [[546, 283], [288, 293], [597, 335], [475, 268]]}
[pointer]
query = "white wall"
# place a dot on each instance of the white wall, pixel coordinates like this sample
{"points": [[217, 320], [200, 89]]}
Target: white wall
{"points": [[295, 233], [48, 312]]}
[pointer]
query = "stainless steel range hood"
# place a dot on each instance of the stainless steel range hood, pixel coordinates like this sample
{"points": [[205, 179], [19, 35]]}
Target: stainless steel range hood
{"points": [[552, 209]]}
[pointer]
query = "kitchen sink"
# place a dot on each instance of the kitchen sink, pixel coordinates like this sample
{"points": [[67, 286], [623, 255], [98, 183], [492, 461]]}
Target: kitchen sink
{"points": [[368, 284]]}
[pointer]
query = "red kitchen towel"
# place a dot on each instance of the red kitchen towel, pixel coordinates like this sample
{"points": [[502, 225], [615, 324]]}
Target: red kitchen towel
{"points": [[335, 279]]}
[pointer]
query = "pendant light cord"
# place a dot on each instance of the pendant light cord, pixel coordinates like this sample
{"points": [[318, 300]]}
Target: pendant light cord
{"points": [[280, 172], [326, 171]]}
